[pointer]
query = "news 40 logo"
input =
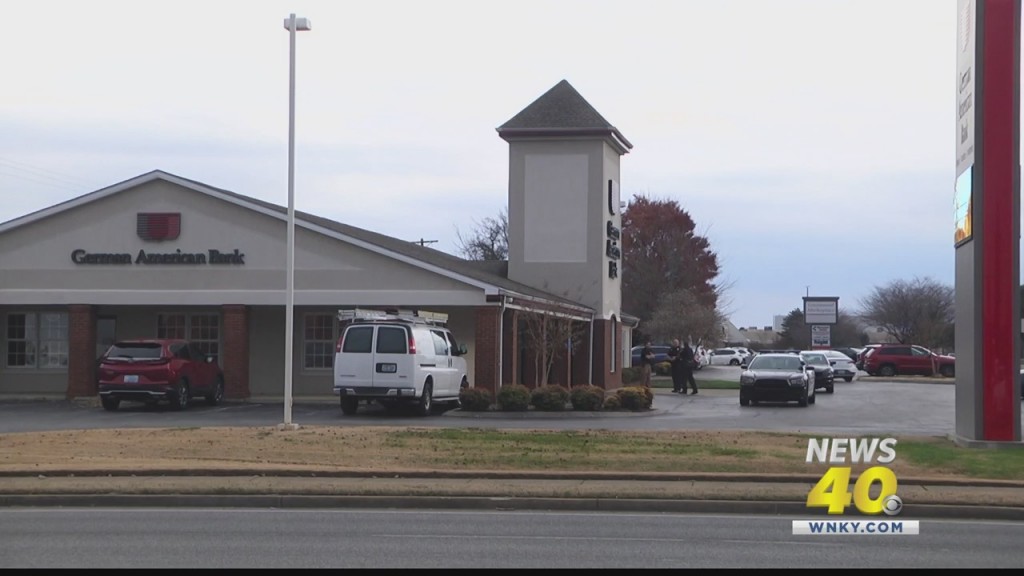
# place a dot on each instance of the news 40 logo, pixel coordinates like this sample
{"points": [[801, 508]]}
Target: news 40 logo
{"points": [[833, 489]]}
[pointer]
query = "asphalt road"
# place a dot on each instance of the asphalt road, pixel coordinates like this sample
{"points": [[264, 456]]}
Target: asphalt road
{"points": [[858, 407], [242, 538]]}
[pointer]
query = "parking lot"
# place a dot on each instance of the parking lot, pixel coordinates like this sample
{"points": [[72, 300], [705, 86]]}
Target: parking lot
{"points": [[858, 407]]}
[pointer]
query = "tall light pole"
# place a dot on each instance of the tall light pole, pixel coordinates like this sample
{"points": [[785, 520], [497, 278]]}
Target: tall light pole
{"points": [[293, 25]]}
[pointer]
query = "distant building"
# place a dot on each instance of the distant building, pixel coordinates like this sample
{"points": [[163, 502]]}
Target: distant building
{"points": [[777, 322], [747, 337]]}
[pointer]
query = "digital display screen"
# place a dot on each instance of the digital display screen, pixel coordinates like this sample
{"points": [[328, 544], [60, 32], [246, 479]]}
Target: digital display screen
{"points": [[963, 203]]}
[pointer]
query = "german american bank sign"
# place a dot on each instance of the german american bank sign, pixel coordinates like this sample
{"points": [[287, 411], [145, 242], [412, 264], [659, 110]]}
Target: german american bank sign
{"points": [[158, 227]]}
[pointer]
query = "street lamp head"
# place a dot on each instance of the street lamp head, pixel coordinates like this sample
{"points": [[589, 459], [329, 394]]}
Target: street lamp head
{"points": [[301, 24]]}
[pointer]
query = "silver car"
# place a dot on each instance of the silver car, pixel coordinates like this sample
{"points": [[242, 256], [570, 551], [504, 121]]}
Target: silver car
{"points": [[843, 366]]}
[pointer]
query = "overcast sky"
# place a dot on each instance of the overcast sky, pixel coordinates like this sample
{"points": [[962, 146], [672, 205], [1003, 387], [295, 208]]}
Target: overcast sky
{"points": [[811, 141]]}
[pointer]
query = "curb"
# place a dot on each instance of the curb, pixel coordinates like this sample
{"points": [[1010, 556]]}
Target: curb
{"points": [[539, 415], [492, 475], [787, 508]]}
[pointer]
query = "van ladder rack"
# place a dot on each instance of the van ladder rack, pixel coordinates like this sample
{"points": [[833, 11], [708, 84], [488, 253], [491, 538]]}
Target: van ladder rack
{"points": [[373, 315]]}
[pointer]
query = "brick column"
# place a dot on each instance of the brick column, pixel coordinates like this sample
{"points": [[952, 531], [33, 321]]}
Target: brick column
{"points": [[510, 355], [235, 360], [81, 351], [581, 357], [603, 376], [485, 363]]}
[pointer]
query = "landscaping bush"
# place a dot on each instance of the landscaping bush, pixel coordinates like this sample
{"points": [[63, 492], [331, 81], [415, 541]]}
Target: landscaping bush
{"points": [[635, 398], [587, 398], [631, 375], [514, 398], [663, 368], [475, 399], [549, 398], [612, 403]]}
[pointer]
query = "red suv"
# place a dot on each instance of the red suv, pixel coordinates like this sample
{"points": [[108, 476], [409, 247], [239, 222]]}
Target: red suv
{"points": [[151, 371], [893, 359]]}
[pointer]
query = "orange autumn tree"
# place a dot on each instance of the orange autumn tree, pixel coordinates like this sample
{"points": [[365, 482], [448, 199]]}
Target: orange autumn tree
{"points": [[662, 255]]}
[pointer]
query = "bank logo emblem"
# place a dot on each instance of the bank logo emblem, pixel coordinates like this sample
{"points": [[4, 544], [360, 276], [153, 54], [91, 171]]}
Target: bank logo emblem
{"points": [[158, 226]]}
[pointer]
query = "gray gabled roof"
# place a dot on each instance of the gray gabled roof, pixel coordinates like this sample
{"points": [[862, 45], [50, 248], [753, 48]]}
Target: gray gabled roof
{"points": [[493, 273], [562, 112]]}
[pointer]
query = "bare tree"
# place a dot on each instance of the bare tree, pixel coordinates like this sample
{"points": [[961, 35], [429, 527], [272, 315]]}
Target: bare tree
{"points": [[488, 241], [681, 314], [919, 311], [797, 334], [549, 332]]}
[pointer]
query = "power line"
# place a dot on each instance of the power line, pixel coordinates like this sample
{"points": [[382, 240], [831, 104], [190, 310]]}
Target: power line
{"points": [[43, 172], [52, 184]]}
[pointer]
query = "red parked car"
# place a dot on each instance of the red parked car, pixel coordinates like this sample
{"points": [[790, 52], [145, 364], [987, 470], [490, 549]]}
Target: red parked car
{"points": [[152, 371], [892, 359]]}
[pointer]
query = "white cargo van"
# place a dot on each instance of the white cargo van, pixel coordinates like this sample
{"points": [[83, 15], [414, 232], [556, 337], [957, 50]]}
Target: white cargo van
{"points": [[406, 358]]}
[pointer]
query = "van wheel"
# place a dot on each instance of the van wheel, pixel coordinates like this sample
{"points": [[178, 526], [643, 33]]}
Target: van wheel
{"points": [[349, 406], [426, 400], [464, 386]]}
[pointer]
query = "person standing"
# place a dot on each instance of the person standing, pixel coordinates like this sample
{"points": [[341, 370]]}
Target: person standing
{"points": [[646, 363], [688, 362], [676, 361]]}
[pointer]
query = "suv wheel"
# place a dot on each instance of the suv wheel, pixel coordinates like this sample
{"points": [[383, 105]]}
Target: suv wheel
{"points": [[217, 395], [887, 371], [426, 400], [179, 399], [947, 371], [110, 404]]}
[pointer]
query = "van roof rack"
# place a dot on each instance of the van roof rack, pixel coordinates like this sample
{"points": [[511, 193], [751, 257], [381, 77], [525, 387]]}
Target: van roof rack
{"points": [[393, 314]]}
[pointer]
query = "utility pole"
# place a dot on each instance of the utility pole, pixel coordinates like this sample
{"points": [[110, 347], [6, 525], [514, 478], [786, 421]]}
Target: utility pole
{"points": [[423, 242]]}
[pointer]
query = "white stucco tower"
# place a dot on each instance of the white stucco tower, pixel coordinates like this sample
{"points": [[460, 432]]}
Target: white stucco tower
{"points": [[564, 219]]}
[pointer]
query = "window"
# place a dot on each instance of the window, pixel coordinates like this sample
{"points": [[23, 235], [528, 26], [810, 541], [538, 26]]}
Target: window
{"points": [[440, 344], [453, 345], [37, 340], [202, 329], [358, 339], [180, 351], [170, 326], [318, 341], [391, 340]]}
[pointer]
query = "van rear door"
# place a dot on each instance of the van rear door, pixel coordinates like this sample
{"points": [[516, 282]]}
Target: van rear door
{"points": [[353, 364], [392, 364]]}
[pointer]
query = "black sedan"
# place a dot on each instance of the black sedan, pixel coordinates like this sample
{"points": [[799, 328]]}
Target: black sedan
{"points": [[777, 378], [824, 373]]}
